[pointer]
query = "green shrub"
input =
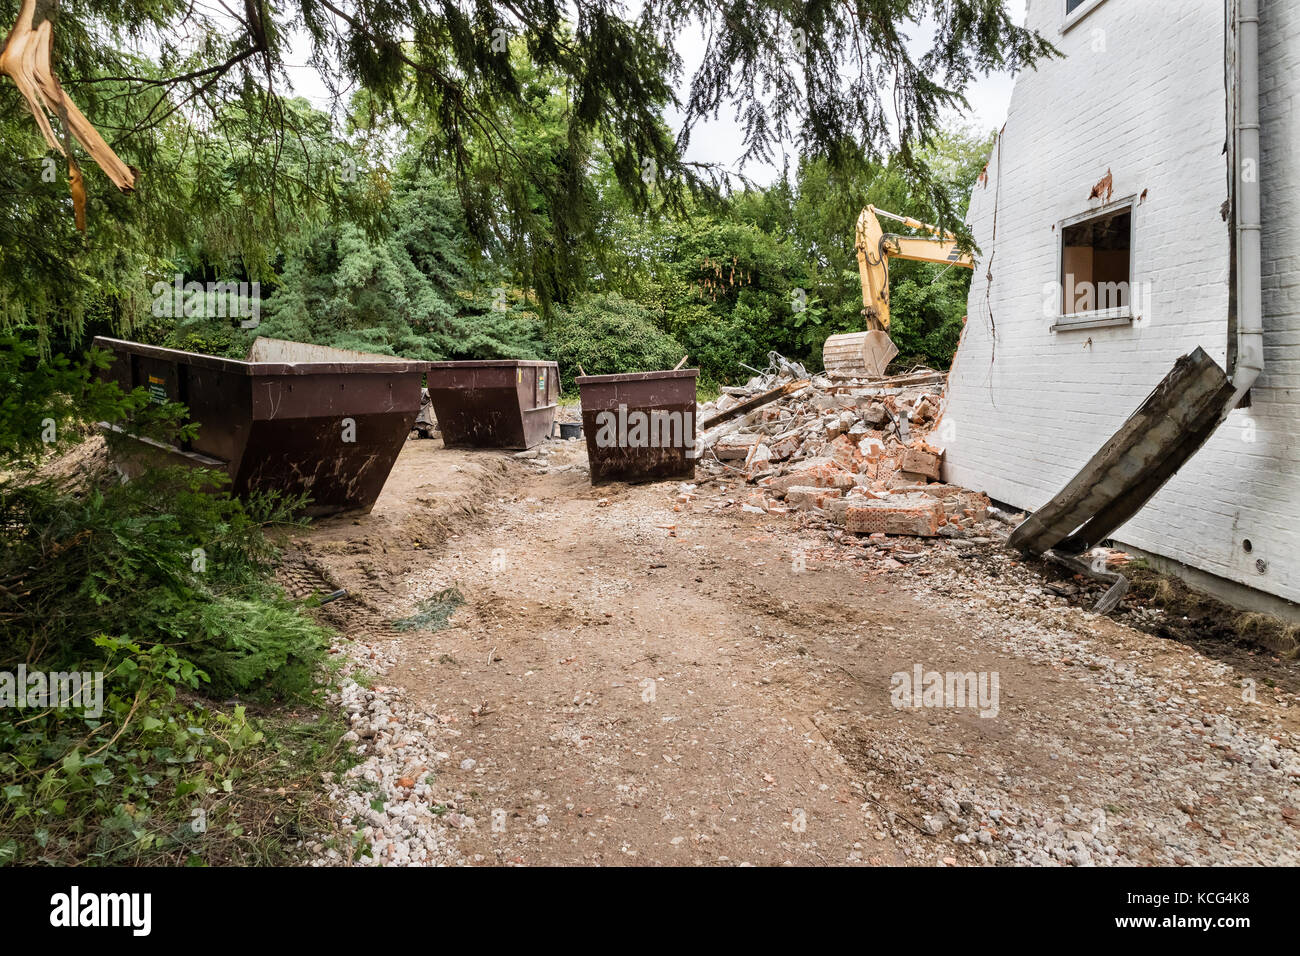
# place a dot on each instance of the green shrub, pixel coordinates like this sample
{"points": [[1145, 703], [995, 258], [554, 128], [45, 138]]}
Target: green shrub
{"points": [[926, 318], [718, 344], [163, 560], [160, 777], [45, 399], [608, 334], [163, 586], [210, 337]]}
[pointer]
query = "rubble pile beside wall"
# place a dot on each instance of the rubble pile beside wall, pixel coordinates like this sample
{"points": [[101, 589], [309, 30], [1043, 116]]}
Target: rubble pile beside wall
{"points": [[857, 452]]}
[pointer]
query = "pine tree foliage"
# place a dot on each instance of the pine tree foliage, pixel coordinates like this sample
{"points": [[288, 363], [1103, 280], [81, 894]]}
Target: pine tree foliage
{"points": [[228, 162], [407, 293]]}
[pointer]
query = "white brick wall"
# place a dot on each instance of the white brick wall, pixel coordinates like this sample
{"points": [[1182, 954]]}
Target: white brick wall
{"points": [[1140, 92]]}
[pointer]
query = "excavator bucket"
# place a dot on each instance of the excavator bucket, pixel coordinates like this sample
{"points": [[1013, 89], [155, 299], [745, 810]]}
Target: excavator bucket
{"points": [[858, 354]]}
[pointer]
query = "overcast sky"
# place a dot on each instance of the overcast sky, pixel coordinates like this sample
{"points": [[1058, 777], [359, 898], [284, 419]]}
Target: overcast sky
{"points": [[718, 141]]}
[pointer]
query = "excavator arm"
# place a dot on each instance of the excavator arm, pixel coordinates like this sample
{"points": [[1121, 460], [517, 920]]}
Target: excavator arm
{"points": [[876, 247], [866, 354]]}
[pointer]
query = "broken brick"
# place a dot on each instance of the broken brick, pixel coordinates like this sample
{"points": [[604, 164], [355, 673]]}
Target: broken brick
{"points": [[804, 497], [844, 452], [819, 473], [759, 456], [871, 448], [785, 444], [920, 462], [917, 515], [855, 451], [735, 447], [873, 413]]}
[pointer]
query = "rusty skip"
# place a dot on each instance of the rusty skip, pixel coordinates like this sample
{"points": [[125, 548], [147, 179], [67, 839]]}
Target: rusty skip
{"points": [[497, 403], [639, 426], [325, 422]]}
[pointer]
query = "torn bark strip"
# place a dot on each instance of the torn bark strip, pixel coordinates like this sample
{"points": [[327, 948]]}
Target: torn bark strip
{"points": [[27, 60]]}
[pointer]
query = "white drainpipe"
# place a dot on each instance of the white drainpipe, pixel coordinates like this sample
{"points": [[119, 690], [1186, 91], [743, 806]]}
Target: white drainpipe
{"points": [[1250, 309]]}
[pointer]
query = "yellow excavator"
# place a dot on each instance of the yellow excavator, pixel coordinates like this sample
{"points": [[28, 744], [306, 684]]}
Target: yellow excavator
{"points": [[865, 354]]}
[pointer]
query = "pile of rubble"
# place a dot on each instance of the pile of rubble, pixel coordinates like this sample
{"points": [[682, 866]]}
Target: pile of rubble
{"points": [[867, 454]]}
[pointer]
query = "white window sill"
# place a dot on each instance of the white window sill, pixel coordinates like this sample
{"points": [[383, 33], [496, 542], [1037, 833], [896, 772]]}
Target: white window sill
{"points": [[1079, 13], [1101, 319]]}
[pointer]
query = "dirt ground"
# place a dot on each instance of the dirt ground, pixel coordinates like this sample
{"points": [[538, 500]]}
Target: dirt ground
{"points": [[630, 683]]}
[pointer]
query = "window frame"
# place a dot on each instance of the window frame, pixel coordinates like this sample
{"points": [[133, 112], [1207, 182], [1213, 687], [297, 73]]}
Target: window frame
{"points": [[1097, 318], [1079, 12]]}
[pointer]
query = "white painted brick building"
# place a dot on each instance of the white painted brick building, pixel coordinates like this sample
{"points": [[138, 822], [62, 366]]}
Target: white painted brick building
{"points": [[1140, 92]]}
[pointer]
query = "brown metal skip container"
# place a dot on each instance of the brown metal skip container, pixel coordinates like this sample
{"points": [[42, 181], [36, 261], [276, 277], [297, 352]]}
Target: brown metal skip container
{"points": [[498, 403], [639, 426], [283, 419]]}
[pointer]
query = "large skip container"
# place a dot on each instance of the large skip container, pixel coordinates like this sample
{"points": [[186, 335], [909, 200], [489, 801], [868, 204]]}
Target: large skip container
{"points": [[639, 426], [293, 417], [497, 403]]}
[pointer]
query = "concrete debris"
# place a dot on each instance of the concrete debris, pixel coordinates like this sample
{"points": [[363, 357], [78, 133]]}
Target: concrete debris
{"points": [[862, 454], [921, 462], [733, 408], [918, 515], [736, 447]]}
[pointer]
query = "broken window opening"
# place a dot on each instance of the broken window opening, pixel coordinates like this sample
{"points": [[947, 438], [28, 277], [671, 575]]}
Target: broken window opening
{"points": [[1096, 271]]}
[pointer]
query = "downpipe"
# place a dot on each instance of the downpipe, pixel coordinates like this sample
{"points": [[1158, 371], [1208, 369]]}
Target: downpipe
{"points": [[1246, 156]]}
